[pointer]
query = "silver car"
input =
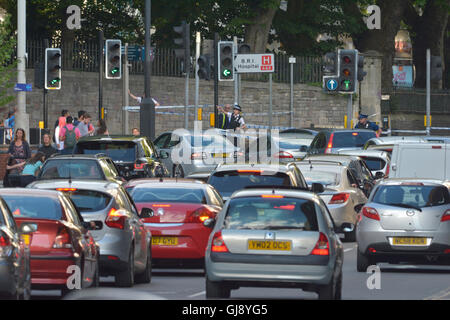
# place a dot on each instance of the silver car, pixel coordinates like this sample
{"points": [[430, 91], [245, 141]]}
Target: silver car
{"points": [[274, 238], [205, 151], [342, 194], [377, 161], [405, 220], [125, 243]]}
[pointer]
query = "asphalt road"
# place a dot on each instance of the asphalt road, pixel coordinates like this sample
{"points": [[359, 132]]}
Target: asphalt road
{"points": [[398, 282]]}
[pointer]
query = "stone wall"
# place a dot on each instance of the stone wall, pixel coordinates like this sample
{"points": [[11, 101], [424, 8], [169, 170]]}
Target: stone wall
{"points": [[80, 91]]}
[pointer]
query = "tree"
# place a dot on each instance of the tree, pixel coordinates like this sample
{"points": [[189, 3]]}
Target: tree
{"points": [[7, 62]]}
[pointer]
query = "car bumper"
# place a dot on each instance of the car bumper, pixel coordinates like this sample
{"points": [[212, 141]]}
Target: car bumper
{"points": [[51, 270], [114, 251], [7, 280], [342, 213], [192, 240]]}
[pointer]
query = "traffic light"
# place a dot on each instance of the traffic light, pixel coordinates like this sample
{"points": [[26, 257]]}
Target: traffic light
{"points": [[53, 68], [204, 67], [113, 59], [348, 67], [436, 68], [361, 72], [330, 63], [184, 52], [226, 61], [244, 48]]}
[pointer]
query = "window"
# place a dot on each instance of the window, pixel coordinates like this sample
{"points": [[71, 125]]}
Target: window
{"points": [[162, 141], [7, 217], [174, 140], [71, 211], [351, 178], [142, 194], [415, 195], [326, 214], [374, 164], [89, 200], [74, 169], [116, 150], [33, 206], [351, 139]]}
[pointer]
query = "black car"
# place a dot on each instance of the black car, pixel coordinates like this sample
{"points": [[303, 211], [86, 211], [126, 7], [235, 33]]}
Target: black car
{"points": [[135, 157], [15, 276], [80, 167], [331, 140]]}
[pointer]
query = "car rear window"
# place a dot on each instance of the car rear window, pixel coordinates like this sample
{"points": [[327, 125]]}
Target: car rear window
{"points": [[227, 182], [271, 213], [143, 194], [116, 150], [374, 164], [74, 169], [412, 195], [325, 178], [36, 207], [89, 200], [351, 139]]}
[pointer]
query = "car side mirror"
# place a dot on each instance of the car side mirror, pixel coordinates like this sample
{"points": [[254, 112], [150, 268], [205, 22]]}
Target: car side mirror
{"points": [[146, 213], [27, 228], [359, 207], [93, 225], [163, 155], [317, 188], [347, 227], [210, 223], [379, 175], [304, 149]]}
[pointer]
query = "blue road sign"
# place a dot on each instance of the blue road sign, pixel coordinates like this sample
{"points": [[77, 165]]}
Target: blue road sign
{"points": [[23, 87], [332, 85]]}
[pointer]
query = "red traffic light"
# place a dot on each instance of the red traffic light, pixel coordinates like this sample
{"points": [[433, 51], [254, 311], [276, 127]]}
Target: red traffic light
{"points": [[347, 60]]}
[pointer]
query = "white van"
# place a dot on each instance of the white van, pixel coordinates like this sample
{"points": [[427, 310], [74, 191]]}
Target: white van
{"points": [[421, 160]]}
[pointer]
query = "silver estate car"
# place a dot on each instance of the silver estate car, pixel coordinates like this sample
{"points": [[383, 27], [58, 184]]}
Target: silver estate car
{"points": [[125, 243], [405, 220], [274, 238], [342, 194], [376, 160]]}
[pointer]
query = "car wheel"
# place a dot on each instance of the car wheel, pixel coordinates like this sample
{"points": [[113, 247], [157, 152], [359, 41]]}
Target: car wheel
{"points": [[146, 276], [350, 237], [216, 290], [126, 278], [338, 293], [178, 171], [96, 282], [362, 262], [327, 292]]}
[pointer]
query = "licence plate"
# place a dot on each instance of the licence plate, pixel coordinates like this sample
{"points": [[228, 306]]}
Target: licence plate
{"points": [[409, 241], [272, 245], [26, 239], [165, 241], [220, 155]]}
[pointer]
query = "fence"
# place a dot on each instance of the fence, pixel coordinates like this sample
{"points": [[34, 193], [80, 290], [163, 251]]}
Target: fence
{"points": [[414, 101], [83, 56]]}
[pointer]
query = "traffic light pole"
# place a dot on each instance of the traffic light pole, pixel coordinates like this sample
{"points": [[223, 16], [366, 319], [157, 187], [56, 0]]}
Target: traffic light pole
{"points": [[349, 111], [216, 80], [197, 80], [22, 118], [428, 92], [101, 43]]}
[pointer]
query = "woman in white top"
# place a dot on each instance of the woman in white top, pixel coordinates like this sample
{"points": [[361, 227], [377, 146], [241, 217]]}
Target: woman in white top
{"points": [[59, 144]]}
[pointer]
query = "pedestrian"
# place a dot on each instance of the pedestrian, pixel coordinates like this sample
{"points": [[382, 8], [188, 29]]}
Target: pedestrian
{"points": [[19, 152], [225, 117], [136, 132], [58, 142], [236, 120], [102, 129], [76, 121], [47, 149], [139, 99], [64, 113], [29, 171], [364, 123], [12, 172], [85, 127], [69, 135], [9, 126]]}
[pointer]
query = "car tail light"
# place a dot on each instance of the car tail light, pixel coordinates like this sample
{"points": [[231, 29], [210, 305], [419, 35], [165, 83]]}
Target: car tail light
{"points": [[371, 213], [251, 171], [330, 144], [218, 244], [238, 154], [116, 219], [322, 247], [387, 171], [200, 215], [5, 245], [198, 156], [62, 240], [66, 189], [339, 198], [139, 166], [446, 216], [271, 196], [284, 155]]}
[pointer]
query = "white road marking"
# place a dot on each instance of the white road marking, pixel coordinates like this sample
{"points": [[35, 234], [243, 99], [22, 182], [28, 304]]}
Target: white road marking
{"points": [[440, 295], [350, 249]]}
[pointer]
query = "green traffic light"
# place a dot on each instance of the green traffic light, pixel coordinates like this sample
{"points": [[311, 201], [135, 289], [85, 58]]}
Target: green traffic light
{"points": [[226, 72], [347, 84], [115, 70], [55, 81]]}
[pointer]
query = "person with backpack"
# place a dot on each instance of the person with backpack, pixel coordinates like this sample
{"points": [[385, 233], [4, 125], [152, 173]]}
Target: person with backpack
{"points": [[69, 135]]}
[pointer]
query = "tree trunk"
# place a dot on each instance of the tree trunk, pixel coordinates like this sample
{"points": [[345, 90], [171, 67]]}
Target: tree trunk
{"points": [[257, 31], [428, 33], [383, 40]]}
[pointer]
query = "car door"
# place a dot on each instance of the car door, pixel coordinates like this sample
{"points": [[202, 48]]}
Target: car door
{"points": [[162, 143]]}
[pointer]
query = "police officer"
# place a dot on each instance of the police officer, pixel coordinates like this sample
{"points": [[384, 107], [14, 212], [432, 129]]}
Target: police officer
{"points": [[364, 123], [224, 117], [236, 119]]}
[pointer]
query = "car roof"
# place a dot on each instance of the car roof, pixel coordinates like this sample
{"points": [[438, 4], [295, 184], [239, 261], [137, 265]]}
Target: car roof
{"points": [[342, 158], [295, 193], [370, 153], [254, 166], [394, 181], [79, 184], [29, 192], [396, 139], [129, 138], [77, 156], [320, 166], [347, 130], [166, 182]]}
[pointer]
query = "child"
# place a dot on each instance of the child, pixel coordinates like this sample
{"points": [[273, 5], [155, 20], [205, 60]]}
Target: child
{"points": [[28, 173]]}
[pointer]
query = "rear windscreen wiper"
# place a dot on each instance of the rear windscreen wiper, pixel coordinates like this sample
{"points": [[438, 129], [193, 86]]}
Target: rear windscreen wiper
{"points": [[404, 205]]}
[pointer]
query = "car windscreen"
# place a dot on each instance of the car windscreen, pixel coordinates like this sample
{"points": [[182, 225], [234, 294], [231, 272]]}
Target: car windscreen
{"points": [[211, 141], [328, 179], [117, 150], [374, 164], [293, 143], [227, 182], [71, 168], [351, 139], [161, 194], [270, 212], [36, 207], [89, 200], [412, 195]]}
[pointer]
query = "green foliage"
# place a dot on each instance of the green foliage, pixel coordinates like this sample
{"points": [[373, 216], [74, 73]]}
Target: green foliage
{"points": [[7, 63]]}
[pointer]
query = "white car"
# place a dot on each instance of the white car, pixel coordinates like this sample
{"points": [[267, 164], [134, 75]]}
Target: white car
{"points": [[376, 160]]}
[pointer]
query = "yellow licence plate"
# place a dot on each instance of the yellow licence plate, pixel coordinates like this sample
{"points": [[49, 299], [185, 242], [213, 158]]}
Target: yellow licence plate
{"points": [[272, 245], [165, 241], [410, 241], [26, 239], [220, 155]]}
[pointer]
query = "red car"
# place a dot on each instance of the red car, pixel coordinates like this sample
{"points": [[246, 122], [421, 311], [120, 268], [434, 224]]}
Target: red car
{"points": [[61, 239], [180, 206]]}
